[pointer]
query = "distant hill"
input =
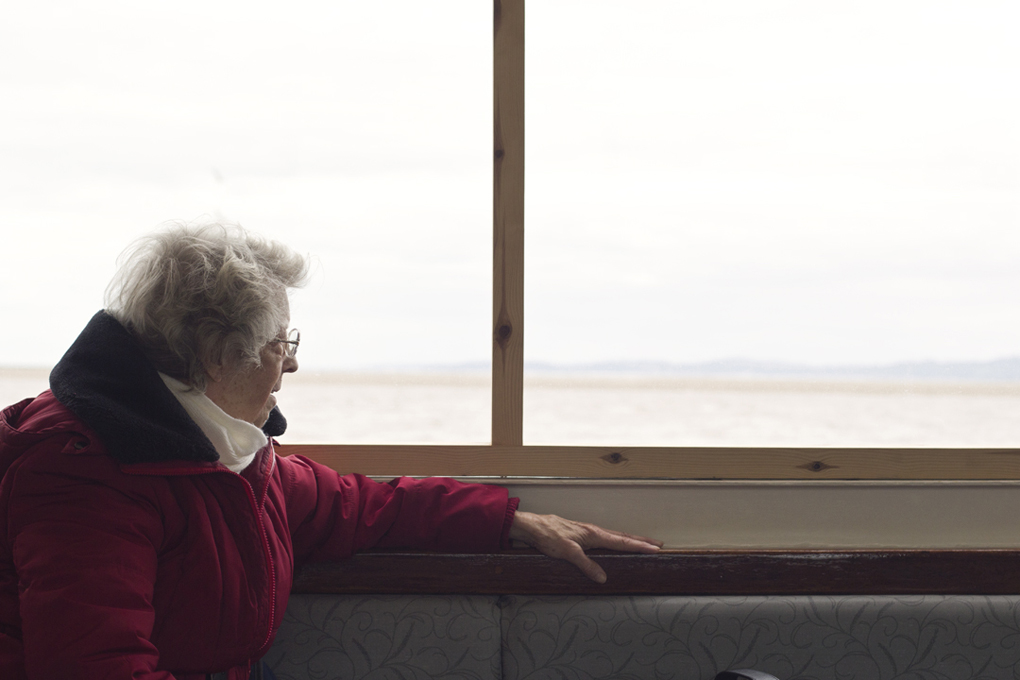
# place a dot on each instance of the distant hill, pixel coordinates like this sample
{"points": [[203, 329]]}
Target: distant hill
{"points": [[998, 370]]}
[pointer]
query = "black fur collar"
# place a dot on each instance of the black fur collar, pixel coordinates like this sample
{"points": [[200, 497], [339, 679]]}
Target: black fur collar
{"points": [[105, 379]]}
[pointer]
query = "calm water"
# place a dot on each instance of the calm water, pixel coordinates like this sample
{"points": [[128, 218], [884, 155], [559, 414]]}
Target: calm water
{"points": [[453, 408]]}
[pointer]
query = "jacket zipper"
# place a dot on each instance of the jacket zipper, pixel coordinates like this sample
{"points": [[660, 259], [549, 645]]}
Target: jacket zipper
{"points": [[269, 554]]}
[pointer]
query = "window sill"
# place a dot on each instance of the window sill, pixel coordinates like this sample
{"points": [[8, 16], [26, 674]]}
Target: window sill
{"points": [[676, 572]]}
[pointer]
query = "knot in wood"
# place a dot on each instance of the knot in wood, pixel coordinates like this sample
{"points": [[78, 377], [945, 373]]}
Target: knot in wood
{"points": [[816, 466], [499, 154], [614, 458], [504, 331]]}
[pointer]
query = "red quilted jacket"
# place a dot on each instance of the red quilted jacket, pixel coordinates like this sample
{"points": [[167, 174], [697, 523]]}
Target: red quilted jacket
{"points": [[126, 554]]}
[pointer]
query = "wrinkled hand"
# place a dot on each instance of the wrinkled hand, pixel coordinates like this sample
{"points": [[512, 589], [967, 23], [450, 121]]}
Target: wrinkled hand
{"points": [[567, 540]]}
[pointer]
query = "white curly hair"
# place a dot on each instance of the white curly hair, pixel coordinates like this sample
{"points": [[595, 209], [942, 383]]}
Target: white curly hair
{"points": [[192, 293]]}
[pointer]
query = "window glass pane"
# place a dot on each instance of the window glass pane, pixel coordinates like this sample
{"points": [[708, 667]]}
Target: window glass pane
{"points": [[359, 133], [783, 223]]}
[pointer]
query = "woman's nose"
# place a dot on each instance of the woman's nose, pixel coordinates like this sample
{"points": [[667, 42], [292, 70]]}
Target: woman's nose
{"points": [[290, 364]]}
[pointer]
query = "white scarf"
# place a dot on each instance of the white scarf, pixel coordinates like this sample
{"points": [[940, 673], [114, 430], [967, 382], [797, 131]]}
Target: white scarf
{"points": [[235, 440]]}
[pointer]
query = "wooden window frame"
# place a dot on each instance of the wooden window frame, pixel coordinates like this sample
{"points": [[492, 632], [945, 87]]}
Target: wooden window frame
{"points": [[506, 456]]}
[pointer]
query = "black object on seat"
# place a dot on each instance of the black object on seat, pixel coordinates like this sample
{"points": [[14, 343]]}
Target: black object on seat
{"points": [[745, 674]]}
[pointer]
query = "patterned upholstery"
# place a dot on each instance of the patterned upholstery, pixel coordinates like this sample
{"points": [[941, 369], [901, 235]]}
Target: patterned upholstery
{"points": [[388, 637], [653, 638]]}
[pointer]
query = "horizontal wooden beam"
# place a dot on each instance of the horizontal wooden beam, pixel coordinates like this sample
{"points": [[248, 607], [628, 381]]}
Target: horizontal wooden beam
{"points": [[605, 462], [942, 572]]}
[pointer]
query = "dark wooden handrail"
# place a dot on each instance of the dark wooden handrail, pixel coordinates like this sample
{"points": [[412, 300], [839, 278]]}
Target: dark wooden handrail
{"points": [[677, 572]]}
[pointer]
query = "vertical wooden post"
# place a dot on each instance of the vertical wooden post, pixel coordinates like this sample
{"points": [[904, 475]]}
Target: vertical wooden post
{"points": [[508, 224]]}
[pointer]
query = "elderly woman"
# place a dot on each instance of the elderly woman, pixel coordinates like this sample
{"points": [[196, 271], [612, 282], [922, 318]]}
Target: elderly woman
{"points": [[149, 529]]}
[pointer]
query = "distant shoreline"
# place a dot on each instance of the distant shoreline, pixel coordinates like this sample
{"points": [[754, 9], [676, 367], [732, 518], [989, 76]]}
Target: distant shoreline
{"points": [[1005, 370], [619, 379]]}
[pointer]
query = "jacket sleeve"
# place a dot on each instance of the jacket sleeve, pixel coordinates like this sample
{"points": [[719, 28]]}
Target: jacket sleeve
{"points": [[85, 558], [332, 516]]}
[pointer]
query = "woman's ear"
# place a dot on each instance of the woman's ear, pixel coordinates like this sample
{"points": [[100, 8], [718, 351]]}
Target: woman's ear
{"points": [[215, 361], [215, 370]]}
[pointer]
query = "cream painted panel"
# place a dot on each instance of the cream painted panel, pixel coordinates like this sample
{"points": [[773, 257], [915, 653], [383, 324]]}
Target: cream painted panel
{"points": [[790, 514]]}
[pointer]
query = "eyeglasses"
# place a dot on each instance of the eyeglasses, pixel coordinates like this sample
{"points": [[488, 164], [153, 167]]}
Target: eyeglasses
{"points": [[292, 342]]}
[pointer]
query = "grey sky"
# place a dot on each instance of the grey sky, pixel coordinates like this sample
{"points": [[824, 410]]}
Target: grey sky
{"points": [[801, 181]]}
